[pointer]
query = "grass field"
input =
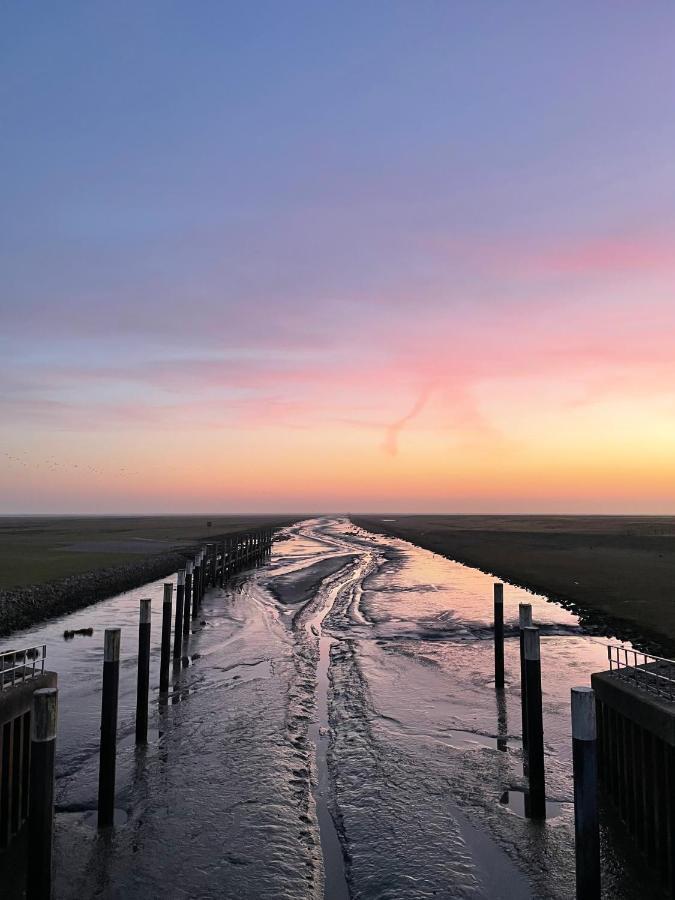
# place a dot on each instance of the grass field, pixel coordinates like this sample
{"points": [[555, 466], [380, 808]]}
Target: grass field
{"points": [[617, 569], [37, 549]]}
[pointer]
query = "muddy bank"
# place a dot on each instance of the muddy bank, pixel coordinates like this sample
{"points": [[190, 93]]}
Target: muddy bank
{"points": [[616, 573]]}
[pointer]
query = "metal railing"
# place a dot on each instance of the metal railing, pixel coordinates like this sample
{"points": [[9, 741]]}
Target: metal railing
{"points": [[17, 666], [652, 674]]}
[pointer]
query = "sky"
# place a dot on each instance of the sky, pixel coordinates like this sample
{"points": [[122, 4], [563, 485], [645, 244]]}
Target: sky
{"points": [[357, 256]]}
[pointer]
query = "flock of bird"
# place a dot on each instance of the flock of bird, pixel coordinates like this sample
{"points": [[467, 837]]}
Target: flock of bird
{"points": [[54, 465]]}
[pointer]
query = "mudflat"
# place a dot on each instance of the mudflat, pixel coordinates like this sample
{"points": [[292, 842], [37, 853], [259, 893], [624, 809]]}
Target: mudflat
{"points": [[615, 571]]}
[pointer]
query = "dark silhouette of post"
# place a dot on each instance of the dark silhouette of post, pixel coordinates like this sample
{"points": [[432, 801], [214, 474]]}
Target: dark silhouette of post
{"points": [[188, 598], [106, 770], [499, 634], [178, 622], [585, 762], [41, 809], [535, 725], [197, 583], [524, 621], [166, 639], [143, 678]]}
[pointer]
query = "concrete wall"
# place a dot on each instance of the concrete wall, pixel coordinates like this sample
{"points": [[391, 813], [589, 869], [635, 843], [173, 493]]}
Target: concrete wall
{"points": [[636, 733], [15, 707]]}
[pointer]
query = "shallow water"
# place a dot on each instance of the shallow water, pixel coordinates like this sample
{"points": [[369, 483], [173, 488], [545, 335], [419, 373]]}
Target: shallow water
{"points": [[355, 733]]}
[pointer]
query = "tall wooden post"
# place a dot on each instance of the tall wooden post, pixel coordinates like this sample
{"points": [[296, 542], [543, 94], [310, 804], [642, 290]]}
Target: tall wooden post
{"points": [[166, 639], [143, 677], [524, 621], [585, 762], [178, 622], [41, 813], [535, 724], [106, 771], [188, 597], [196, 583], [499, 634]]}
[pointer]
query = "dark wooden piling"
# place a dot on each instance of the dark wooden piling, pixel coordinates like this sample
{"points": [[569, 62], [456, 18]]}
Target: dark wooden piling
{"points": [[524, 621], [143, 675], [166, 639], [221, 567], [197, 583], [212, 556], [41, 814], [586, 827], [188, 598], [178, 622], [106, 771], [535, 725], [499, 634]]}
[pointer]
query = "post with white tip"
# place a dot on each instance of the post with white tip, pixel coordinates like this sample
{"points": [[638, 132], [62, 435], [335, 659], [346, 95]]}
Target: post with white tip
{"points": [[41, 806], [143, 677], [585, 763], [499, 634], [178, 621], [524, 621], [196, 583], [166, 639], [188, 597], [106, 771], [535, 725]]}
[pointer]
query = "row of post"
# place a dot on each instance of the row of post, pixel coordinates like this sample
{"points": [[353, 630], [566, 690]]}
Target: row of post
{"points": [[212, 566], [584, 744]]}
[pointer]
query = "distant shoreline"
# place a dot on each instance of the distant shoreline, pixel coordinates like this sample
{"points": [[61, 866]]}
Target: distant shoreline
{"points": [[617, 574]]}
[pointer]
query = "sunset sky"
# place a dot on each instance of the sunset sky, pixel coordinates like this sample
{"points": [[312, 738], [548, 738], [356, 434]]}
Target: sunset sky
{"points": [[341, 256]]}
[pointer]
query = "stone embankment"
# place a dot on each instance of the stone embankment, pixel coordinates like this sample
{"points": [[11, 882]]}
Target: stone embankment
{"points": [[21, 607]]}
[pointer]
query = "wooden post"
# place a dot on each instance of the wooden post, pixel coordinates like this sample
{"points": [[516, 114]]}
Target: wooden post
{"points": [[188, 597], [178, 624], [197, 583], [143, 679], [524, 621], [585, 762], [499, 634], [106, 771], [41, 815], [212, 554], [166, 639], [535, 725]]}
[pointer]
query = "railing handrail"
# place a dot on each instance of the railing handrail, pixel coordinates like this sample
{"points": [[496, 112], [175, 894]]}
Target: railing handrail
{"points": [[25, 663], [644, 674]]}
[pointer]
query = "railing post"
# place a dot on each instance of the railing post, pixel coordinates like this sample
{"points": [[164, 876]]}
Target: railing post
{"points": [[143, 677], [166, 639], [41, 814], [106, 771], [499, 635], [524, 621], [535, 725], [585, 762]]}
